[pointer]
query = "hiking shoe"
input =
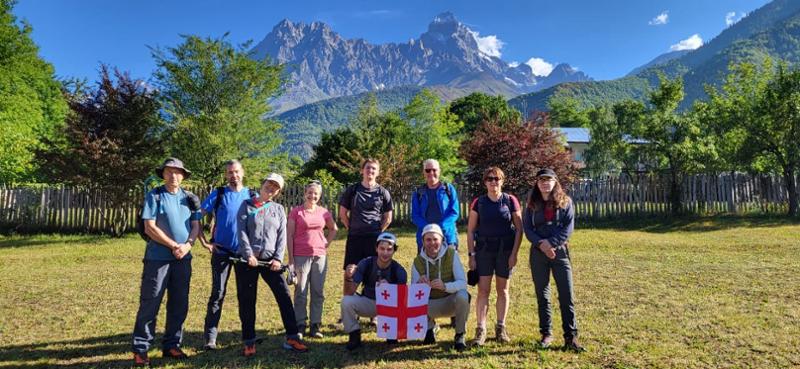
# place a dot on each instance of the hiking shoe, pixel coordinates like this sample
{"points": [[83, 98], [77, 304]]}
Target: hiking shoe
{"points": [[301, 330], [373, 322], [210, 346], [354, 341], [480, 337], [546, 341], [459, 342], [573, 345], [315, 331], [140, 359], [436, 327], [174, 353], [249, 350], [501, 335], [430, 337], [295, 344]]}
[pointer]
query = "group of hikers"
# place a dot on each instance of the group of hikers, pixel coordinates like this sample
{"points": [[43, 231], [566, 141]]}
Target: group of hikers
{"points": [[252, 232]]}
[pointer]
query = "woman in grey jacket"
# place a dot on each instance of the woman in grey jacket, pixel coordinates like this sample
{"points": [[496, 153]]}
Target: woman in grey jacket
{"points": [[262, 238], [548, 221]]}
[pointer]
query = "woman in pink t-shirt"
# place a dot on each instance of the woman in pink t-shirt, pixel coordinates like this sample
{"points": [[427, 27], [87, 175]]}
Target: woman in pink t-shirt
{"points": [[307, 244]]}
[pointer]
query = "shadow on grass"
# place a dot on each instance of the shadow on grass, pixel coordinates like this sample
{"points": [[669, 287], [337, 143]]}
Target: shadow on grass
{"points": [[690, 223], [49, 239], [114, 351]]}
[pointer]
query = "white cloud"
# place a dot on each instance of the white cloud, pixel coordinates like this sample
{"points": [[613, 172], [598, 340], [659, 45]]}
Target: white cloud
{"points": [[513, 64], [730, 18], [489, 45], [690, 43], [540, 67], [660, 19]]}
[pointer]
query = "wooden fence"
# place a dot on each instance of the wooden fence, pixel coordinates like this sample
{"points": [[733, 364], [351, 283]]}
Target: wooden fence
{"points": [[47, 208]]}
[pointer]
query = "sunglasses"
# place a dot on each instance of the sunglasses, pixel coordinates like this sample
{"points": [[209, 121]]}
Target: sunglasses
{"points": [[493, 179], [430, 170]]}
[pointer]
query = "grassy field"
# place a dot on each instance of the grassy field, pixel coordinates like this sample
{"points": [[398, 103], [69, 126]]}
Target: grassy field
{"points": [[698, 293]]}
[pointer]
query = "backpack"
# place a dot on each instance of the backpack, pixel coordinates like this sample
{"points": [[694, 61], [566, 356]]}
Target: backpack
{"points": [[421, 189], [218, 203], [191, 199]]}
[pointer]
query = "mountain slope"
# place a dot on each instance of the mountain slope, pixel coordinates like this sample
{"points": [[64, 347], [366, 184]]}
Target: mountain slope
{"points": [[768, 31]]}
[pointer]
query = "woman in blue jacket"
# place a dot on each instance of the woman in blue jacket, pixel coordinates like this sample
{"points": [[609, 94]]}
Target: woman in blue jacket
{"points": [[548, 221]]}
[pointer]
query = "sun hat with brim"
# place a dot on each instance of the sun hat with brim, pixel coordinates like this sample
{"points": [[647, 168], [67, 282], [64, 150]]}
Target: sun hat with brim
{"points": [[173, 163], [275, 177], [546, 172]]}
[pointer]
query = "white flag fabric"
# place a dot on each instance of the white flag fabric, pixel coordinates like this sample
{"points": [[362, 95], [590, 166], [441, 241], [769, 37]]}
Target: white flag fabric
{"points": [[402, 310]]}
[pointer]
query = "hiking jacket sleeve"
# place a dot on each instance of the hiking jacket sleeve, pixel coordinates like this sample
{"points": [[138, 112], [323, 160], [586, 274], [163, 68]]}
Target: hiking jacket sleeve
{"points": [[418, 209], [245, 249], [562, 230], [450, 214], [529, 228], [280, 236]]}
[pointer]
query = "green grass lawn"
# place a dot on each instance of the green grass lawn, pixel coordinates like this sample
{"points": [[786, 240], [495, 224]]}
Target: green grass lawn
{"points": [[699, 293]]}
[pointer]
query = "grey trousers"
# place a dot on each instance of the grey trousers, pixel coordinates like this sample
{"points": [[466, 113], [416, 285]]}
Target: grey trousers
{"points": [[354, 306], [311, 272], [159, 277], [220, 273], [561, 268], [455, 305]]}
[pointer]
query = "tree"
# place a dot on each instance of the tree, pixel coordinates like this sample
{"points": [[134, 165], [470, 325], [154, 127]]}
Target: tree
{"points": [[435, 130], [215, 98], [477, 108], [567, 112], [672, 141], [31, 103], [520, 150], [112, 140]]}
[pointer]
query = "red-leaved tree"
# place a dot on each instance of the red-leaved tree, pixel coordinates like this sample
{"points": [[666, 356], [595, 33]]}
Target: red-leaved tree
{"points": [[520, 150]]}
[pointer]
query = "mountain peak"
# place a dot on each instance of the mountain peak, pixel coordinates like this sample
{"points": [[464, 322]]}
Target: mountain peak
{"points": [[446, 17]]}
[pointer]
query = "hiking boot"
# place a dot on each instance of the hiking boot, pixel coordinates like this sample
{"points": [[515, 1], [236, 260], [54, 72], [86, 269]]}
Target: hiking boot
{"points": [[459, 342], [480, 337], [174, 353], [140, 359], [546, 341], [295, 344], [210, 346], [315, 331], [430, 337], [573, 345], [301, 330], [249, 350], [501, 335], [354, 341]]}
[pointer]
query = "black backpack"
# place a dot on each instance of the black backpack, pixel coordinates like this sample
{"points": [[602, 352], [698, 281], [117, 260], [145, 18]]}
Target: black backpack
{"points": [[192, 200]]}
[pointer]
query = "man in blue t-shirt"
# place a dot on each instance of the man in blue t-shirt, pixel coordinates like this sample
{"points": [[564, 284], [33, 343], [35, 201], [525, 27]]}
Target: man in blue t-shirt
{"points": [[171, 221], [224, 203]]}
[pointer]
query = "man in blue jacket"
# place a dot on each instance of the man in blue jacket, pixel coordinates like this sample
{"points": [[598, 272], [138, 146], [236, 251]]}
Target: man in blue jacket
{"points": [[435, 202]]}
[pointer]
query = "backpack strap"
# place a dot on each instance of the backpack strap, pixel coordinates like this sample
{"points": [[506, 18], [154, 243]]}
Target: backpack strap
{"points": [[218, 199], [157, 196]]}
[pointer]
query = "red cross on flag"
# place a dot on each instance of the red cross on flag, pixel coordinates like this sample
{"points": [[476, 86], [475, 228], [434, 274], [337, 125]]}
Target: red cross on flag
{"points": [[402, 310]]}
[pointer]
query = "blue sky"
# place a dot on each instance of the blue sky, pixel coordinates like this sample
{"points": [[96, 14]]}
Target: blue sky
{"points": [[605, 39]]}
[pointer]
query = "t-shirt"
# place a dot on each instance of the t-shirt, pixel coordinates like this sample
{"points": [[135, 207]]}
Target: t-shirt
{"points": [[173, 217], [309, 230], [433, 214], [366, 206], [225, 231], [495, 218], [369, 273]]}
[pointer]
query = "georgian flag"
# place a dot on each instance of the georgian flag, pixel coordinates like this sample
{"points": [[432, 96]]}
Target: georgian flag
{"points": [[402, 310]]}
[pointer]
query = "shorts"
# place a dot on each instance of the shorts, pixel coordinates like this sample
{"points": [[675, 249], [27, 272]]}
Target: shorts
{"points": [[492, 255], [359, 246]]}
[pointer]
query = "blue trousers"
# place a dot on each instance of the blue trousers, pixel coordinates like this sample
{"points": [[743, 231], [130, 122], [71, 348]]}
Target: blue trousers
{"points": [[159, 277]]}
